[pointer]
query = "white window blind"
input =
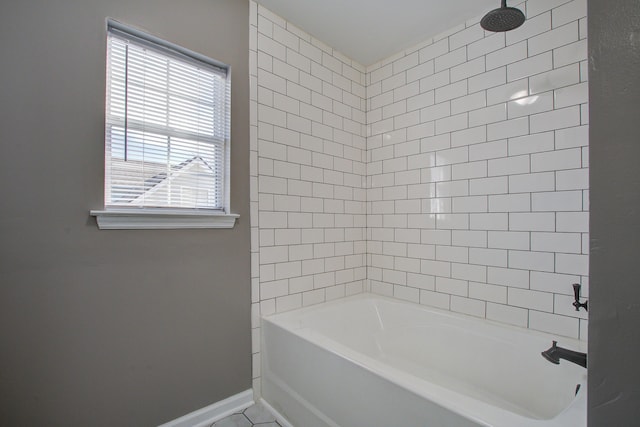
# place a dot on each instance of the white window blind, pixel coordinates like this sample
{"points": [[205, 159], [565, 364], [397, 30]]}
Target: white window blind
{"points": [[167, 126]]}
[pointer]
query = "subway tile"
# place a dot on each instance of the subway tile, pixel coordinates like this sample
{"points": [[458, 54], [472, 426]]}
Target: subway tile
{"points": [[508, 92], [273, 289], [557, 201], [488, 150], [451, 59], [393, 82], [508, 129], [452, 286], [557, 78], [507, 314], [487, 292], [405, 63], [451, 124], [487, 80], [434, 50], [469, 238], [454, 90], [532, 26], [465, 37], [509, 240], [538, 221], [436, 237], [488, 221], [571, 95], [555, 38], [537, 7], [488, 257], [468, 306], [526, 260], [569, 12], [572, 264], [510, 277], [508, 55], [527, 183], [494, 185], [525, 298], [486, 115], [553, 282], [452, 188], [572, 222], [557, 242], [422, 100], [467, 69], [469, 136], [469, 170], [434, 299], [528, 144], [439, 205], [435, 268], [451, 156], [509, 166], [554, 324], [435, 143], [469, 102], [486, 45], [451, 221], [530, 66], [434, 81], [272, 47], [531, 105], [421, 251], [406, 293], [556, 160], [436, 174], [453, 254], [406, 91], [574, 179], [421, 71], [571, 53]]}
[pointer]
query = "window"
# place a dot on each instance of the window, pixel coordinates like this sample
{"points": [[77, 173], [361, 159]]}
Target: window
{"points": [[167, 131]]}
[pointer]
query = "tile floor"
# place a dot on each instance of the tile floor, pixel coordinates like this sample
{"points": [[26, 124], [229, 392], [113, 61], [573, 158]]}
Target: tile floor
{"points": [[255, 415]]}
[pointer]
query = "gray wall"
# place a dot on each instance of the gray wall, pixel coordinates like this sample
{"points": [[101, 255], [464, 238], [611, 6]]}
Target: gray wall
{"points": [[614, 318], [100, 327]]}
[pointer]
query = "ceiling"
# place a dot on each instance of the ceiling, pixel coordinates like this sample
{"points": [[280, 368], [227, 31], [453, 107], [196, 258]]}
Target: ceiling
{"points": [[370, 30]]}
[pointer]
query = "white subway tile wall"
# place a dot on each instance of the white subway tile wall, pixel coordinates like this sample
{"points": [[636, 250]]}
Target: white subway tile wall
{"points": [[308, 170], [497, 130], [453, 174]]}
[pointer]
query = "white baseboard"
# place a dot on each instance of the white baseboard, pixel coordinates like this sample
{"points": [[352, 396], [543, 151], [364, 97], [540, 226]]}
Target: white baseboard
{"points": [[212, 413], [282, 420]]}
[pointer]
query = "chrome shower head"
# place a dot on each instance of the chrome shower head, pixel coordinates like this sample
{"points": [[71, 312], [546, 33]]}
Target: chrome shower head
{"points": [[503, 19]]}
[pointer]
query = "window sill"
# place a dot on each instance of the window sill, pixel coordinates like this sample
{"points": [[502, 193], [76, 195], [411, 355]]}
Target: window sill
{"points": [[150, 219]]}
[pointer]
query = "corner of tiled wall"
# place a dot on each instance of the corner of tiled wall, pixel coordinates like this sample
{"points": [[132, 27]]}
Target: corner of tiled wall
{"points": [[478, 170], [453, 174]]}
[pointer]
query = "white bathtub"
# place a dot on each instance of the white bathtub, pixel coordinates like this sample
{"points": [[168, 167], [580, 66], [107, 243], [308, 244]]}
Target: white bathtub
{"points": [[374, 361]]}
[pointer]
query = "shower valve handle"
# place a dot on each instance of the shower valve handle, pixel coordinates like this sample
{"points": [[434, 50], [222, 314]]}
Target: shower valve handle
{"points": [[576, 292]]}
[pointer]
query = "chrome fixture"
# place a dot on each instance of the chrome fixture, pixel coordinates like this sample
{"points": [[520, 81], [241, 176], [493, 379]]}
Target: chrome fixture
{"points": [[503, 19], [577, 304], [555, 353]]}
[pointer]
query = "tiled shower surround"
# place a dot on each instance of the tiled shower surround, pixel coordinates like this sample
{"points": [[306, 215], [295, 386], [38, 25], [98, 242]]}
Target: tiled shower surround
{"points": [[454, 174]]}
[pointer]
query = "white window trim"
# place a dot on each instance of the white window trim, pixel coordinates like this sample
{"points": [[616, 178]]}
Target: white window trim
{"points": [[157, 219], [163, 218]]}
